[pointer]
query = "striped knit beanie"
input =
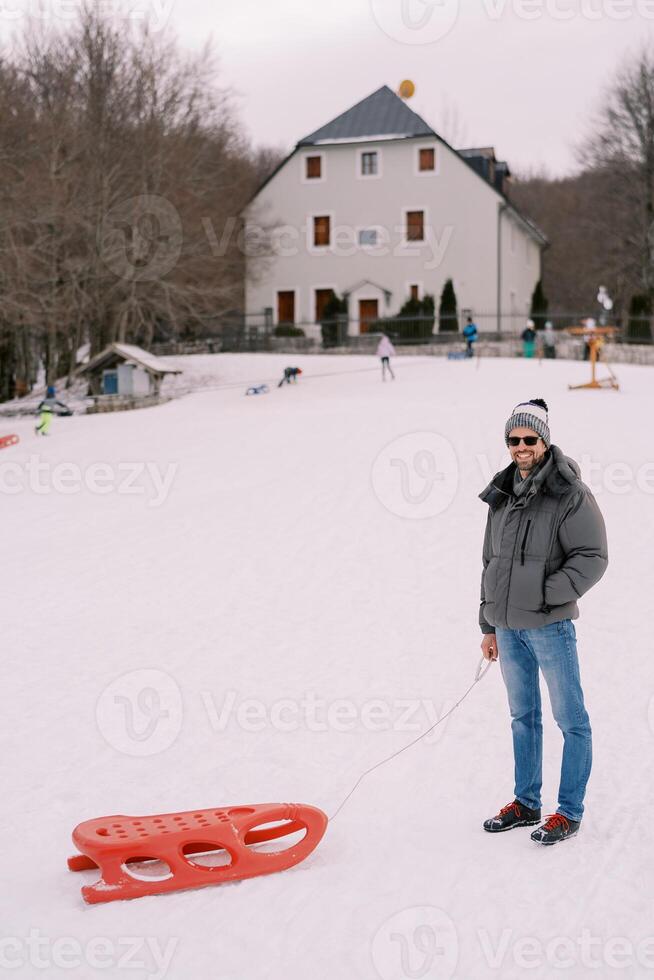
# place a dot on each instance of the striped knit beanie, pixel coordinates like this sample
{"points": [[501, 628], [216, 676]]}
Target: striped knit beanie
{"points": [[530, 415]]}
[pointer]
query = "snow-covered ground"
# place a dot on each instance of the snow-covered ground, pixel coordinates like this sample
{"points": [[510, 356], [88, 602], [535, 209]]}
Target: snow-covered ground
{"points": [[295, 578]]}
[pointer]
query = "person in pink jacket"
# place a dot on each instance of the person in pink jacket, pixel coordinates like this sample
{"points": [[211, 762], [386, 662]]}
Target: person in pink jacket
{"points": [[385, 350]]}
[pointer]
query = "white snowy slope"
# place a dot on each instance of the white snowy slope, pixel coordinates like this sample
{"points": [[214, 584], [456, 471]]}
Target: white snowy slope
{"points": [[286, 560]]}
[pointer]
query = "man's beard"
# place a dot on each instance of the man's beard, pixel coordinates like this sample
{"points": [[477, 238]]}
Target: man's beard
{"points": [[527, 464]]}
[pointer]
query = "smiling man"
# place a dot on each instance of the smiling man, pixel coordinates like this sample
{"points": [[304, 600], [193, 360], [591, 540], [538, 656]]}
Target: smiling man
{"points": [[544, 547]]}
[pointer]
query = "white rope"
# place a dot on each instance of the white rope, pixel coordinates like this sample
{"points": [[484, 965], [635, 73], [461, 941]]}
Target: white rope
{"points": [[482, 670]]}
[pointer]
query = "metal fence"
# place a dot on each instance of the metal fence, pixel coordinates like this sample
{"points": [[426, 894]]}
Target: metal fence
{"points": [[257, 332]]}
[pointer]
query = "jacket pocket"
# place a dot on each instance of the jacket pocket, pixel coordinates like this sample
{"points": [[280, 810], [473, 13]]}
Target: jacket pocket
{"points": [[490, 580], [528, 584]]}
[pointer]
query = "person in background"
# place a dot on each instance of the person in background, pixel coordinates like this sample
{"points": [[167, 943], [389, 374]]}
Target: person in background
{"points": [[591, 326], [548, 339], [385, 351], [57, 407], [290, 374], [45, 420], [528, 338], [470, 333]]}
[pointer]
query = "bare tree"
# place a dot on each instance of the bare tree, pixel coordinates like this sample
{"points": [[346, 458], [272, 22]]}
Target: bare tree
{"points": [[622, 146], [123, 174], [590, 231], [451, 124]]}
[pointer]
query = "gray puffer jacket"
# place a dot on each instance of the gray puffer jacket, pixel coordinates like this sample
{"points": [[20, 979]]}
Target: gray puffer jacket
{"points": [[544, 546]]}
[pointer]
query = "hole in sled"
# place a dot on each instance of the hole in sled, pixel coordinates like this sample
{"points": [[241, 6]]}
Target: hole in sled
{"points": [[275, 837], [147, 869], [206, 856]]}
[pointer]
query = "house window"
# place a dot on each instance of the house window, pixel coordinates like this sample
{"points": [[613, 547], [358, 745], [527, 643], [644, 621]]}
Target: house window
{"points": [[415, 292], [286, 306], [314, 168], [368, 236], [369, 164], [415, 226], [321, 230], [427, 159], [323, 297]]}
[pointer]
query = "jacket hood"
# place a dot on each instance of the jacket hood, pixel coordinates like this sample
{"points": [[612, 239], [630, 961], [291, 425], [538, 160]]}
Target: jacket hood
{"points": [[556, 475]]}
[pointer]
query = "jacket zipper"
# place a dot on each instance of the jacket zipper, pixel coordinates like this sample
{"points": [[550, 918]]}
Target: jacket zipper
{"points": [[508, 587], [524, 543]]}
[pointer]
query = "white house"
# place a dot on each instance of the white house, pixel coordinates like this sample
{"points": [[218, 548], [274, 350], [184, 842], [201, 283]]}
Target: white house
{"points": [[376, 206]]}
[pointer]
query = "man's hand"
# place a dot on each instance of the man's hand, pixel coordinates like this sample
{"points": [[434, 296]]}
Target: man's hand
{"points": [[489, 646]]}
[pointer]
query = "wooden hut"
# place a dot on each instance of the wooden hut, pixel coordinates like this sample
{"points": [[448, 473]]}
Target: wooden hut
{"points": [[124, 376]]}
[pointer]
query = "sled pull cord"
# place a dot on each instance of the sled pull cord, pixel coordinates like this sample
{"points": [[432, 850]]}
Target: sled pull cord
{"points": [[482, 670]]}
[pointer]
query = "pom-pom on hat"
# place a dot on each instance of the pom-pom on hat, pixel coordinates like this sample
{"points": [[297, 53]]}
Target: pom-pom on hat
{"points": [[530, 415]]}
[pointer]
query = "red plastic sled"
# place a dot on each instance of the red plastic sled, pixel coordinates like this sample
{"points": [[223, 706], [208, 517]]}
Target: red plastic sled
{"points": [[8, 441], [127, 849]]}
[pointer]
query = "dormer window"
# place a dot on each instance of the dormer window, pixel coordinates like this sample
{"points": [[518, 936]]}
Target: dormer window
{"points": [[427, 159], [313, 168], [369, 163]]}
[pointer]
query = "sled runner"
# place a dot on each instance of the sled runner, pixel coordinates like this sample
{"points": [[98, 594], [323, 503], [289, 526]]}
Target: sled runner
{"points": [[191, 849]]}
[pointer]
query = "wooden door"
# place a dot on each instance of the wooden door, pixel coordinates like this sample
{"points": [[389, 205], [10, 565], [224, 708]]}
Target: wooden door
{"points": [[286, 306], [368, 311], [323, 297]]}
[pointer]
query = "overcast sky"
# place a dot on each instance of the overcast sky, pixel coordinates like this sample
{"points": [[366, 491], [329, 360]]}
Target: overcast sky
{"points": [[522, 75]]}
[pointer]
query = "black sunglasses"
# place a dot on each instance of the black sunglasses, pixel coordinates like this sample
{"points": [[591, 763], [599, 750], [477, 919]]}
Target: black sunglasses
{"points": [[528, 440]]}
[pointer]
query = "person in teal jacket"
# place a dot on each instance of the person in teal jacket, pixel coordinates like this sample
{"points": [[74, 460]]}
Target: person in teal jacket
{"points": [[529, 339], [470, 333]]}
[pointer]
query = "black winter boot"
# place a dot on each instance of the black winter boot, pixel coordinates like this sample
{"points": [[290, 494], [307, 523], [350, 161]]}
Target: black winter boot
{"points": [[513, 815], [556, 828]]}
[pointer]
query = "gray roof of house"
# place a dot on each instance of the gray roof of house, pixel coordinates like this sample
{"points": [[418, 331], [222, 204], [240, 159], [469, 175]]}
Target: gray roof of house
{"points": [[130, 354], [381, 114]]}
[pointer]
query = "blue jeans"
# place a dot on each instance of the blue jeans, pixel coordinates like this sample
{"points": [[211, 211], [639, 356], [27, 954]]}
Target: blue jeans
{"points": [[553, 648]]}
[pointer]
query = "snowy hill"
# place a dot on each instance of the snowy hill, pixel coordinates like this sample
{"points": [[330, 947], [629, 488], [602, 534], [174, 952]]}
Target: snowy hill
{"points": [[298, 574]]}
